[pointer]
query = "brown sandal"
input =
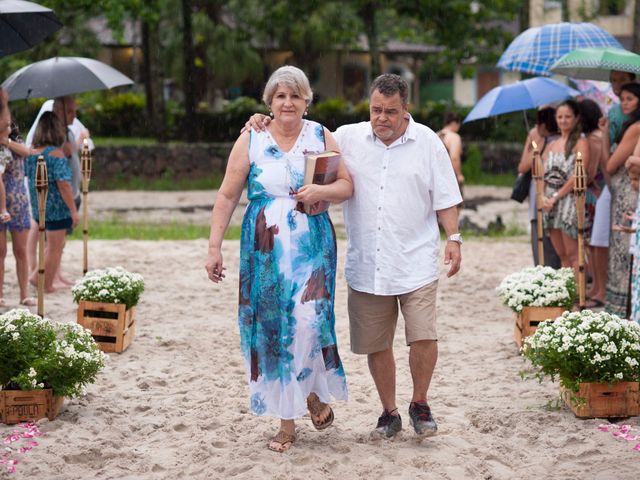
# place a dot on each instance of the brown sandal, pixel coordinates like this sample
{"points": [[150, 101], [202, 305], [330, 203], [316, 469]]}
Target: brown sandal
{"points": [[316, 408], [285, 440]]}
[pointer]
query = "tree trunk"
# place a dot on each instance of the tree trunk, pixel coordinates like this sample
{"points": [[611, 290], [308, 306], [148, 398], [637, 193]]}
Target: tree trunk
{"points": [[636, 26], [367, 14], [153, 80], [525, 15], [189, 73]]}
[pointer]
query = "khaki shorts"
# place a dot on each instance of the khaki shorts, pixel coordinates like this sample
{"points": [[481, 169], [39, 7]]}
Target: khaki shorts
{"points": [[373, 318]]}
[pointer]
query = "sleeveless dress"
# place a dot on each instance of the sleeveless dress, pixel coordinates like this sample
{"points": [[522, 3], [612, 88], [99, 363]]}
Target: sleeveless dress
{"points": [[17, 196], [557, 170], [635, 271], [623, 200], [287, 283]]}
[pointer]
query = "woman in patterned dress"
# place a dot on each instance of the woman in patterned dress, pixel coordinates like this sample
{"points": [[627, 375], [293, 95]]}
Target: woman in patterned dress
{"points": [[559, 204], [287, 262], [623, 200]]}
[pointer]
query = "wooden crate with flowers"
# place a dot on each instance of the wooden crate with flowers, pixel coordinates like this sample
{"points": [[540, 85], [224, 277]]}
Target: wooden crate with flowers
{"points": [[596, 355], [536, 294], [107, 300], [41, 363]]}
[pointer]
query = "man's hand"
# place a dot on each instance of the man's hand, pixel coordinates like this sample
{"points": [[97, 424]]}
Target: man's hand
{"points": [[453, 257], [258, 122]]}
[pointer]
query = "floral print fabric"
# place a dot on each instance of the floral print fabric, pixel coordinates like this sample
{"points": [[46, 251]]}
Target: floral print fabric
{"points": [[17, 196], [287, 283]]}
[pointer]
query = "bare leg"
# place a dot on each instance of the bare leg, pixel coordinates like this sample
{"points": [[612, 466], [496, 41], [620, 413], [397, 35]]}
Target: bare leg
{"points": [[599, 261], [423, 356], [382, 366], [53, 255], [19, 240], [555, 236], [288, 427]]}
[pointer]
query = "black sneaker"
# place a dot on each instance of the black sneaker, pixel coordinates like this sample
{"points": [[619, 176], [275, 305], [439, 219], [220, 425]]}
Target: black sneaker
{"points": [[421, 419], [388, 424]]}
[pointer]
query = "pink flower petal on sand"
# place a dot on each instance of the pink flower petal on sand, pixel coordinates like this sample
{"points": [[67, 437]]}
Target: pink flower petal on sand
{"points": [[637, 447], [604, 428], [625, 428]]}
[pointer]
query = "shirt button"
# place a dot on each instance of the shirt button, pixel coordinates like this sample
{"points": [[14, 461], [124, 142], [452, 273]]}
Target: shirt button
{"points": [[384, 168], [381, 188], [378, 249], [377, 269], [379, 208], [379, 228]]}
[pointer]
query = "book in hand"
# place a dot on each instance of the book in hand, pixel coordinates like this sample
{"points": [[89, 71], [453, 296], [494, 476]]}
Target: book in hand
{"points": [[321, 169]]}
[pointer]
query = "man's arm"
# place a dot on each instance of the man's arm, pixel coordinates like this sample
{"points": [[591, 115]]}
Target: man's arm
{"points": [[452, 256]]}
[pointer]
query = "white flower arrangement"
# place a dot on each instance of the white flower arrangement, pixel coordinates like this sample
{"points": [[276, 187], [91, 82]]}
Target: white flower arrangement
{"points": [[109, 285], [538, 287], [37, 353], [586, 347]]}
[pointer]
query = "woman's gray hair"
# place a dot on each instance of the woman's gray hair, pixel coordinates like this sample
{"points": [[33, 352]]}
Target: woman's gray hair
{"points": [[288, 76]]}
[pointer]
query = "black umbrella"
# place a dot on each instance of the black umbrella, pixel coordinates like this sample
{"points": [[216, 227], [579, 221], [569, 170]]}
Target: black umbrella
{"points": [[24, 24]]}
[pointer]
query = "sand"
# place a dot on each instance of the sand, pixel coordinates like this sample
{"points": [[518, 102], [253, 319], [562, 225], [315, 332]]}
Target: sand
{"points": [[175, 404]]}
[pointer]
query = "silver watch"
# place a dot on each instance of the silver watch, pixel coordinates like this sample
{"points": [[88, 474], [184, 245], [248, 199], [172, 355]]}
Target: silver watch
{"points": [[456, 237]]}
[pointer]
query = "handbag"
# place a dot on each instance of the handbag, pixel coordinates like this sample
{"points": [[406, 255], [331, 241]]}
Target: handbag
{"points": [[520, 189]]}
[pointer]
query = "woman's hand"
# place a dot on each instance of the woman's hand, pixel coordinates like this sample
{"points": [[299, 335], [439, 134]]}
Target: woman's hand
{"points": [[310, 194], [603, 125], [213, 266], [548, 203], [75, 219], [258, 122]]}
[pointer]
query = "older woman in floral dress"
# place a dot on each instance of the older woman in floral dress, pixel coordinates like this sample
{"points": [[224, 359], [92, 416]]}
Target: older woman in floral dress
{"points": [[287, 262]]}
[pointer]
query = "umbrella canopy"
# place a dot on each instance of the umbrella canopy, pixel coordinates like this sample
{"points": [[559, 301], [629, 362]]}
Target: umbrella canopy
{"points": [[536, 49], [522, 95], [24, 24], [596, 63], [60, 76]]}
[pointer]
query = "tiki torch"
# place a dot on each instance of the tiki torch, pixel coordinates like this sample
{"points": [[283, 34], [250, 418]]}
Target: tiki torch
{"points": [[85, 166], [42, 188], [579, 191], [537, 174]]}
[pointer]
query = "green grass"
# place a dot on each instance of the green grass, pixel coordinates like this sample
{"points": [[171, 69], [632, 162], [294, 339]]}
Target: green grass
{"points": [[115, 229], [128, 141], [493, 179], [166, 183]]}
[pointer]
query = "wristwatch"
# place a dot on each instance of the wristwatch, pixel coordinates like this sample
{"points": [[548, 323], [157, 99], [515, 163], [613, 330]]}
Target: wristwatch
{"points": [[456, 237]]}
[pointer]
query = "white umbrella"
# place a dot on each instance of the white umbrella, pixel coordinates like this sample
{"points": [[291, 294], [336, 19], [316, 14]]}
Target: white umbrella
{"points": [[60, 76]]}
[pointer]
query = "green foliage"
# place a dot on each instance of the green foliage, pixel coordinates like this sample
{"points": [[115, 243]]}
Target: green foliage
{"points": [[585, 347], [472, 165], [113, 114], [38, 353], [109, 285]]}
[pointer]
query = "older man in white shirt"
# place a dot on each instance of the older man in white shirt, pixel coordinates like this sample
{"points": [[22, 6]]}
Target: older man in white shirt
{"points": [[403, 184]]}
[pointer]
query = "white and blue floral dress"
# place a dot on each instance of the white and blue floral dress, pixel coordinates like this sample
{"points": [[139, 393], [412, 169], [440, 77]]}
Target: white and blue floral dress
{"points": [[287, 283]]}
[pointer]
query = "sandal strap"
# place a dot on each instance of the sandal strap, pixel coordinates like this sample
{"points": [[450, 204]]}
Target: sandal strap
{"points": [[283, 437], [315, 406]]}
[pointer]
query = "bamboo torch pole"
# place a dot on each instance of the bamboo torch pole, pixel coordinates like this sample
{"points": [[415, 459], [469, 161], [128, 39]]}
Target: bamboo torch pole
{"points": [[538, 176], [579, 191], [42, 189], [86, 177]]}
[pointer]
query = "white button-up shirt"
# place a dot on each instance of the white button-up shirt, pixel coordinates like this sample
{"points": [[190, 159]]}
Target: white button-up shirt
{"points": [[392, 227]]}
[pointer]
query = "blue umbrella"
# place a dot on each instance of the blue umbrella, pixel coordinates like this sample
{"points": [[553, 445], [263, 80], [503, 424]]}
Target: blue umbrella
{"points": [[522, 95], [536, 49]]}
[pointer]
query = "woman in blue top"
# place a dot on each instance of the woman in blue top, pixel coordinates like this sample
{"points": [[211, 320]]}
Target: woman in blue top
{"points": [[61, 213]]}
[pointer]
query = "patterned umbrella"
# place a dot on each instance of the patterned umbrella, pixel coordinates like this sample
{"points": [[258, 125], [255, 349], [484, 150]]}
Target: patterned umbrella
{"points": [[536, 49], [596, 63]]}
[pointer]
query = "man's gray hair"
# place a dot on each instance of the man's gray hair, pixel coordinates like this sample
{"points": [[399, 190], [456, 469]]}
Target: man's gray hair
{"points": [[288, 76], [389, 84]]}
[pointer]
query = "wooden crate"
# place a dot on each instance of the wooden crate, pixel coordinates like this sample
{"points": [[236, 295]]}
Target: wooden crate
{"points": [[600, 400], [111, 324], [28, 405], [527, 321]]}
